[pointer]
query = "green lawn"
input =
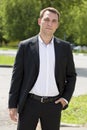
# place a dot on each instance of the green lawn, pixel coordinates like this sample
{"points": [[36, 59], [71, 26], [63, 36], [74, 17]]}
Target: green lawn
{"points": [[6, 60], [76, 113]]}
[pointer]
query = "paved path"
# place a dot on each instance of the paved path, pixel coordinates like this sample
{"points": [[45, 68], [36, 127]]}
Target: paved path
{"points": [[81, 69], [8, 52], [5, 76], [13, 127]]}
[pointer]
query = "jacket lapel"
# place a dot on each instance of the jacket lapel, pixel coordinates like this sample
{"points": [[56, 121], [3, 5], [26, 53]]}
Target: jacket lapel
{"points": [[57, 49], [57, 52], [34, 45]]}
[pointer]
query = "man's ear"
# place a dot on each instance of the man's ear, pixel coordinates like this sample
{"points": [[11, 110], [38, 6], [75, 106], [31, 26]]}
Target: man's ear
{"points": [[58, 25], [39, 21]]}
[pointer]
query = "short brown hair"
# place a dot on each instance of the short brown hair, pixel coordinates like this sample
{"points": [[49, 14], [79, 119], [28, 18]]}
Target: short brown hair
{"points": [[51, 9]]}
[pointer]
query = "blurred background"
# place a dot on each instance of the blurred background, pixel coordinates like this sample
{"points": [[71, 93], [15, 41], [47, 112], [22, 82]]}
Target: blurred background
{"points": [[18, 21]]}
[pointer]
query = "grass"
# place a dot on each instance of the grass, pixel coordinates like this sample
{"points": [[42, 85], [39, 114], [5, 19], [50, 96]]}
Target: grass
{"points": [[76, 113], [6, 60], [8, 48]]}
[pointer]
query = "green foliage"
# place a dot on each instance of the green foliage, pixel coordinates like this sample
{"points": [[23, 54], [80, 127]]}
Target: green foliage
{"points": [[77, 111], [18, 19]]}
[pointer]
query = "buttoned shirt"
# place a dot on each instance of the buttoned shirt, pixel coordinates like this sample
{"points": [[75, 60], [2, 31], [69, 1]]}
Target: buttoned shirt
{"points": [[46, 84]]}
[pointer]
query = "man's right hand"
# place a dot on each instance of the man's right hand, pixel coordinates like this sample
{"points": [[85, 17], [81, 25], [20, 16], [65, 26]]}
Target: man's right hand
{"points": [[13, 114]]}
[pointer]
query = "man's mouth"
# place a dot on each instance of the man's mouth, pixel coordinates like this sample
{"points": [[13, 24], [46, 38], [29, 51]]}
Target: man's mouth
{"points": [[49, 28]]}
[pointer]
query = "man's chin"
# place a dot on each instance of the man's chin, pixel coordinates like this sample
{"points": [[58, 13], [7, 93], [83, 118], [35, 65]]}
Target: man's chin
{"points": [[49, 33]]}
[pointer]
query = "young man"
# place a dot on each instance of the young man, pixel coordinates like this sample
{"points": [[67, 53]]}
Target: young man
{"points": [[43, 78]]}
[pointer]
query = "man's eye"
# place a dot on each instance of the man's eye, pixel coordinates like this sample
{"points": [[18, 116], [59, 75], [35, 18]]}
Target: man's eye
{"points": [[54, 21], [46, 19]]}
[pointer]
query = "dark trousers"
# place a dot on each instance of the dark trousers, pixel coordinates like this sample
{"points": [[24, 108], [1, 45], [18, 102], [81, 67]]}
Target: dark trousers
{"points": [[48, 113]]}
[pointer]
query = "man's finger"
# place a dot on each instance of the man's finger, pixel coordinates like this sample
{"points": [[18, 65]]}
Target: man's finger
{"points": [[57, 101]]}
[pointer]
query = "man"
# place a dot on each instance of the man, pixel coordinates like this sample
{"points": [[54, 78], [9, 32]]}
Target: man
{"points": [[43, 78]]}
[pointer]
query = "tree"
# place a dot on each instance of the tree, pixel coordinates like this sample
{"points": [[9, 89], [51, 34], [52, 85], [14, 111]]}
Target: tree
{"points": [[20, 18]]}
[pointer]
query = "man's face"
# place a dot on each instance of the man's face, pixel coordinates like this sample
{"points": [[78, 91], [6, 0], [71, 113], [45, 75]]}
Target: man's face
{"points": [[48, 23]]}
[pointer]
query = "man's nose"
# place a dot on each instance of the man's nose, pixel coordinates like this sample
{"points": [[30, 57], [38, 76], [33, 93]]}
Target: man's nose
{"points": [[50, 23]]}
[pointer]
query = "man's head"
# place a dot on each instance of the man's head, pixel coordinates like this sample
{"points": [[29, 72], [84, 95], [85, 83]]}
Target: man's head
{"points": [[51, 9], [48, 21]]}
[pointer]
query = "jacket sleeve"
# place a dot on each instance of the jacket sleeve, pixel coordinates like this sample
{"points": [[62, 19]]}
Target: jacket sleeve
{"points": [[70, 76], [16, 81]]}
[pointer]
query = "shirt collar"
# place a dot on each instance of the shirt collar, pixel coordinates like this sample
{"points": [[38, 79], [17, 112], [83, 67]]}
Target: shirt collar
{"points": [[41, 41]]}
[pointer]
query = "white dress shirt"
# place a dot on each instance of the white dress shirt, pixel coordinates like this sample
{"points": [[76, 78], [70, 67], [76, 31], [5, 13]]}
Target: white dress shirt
{"points": [[46, 84]]}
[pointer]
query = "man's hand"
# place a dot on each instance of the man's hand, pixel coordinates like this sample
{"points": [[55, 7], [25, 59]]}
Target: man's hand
{"points": [[13, 114], [62, 101]]}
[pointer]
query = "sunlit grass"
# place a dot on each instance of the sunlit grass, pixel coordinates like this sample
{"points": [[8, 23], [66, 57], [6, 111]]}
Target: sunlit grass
{"points": [[77, 111], [6, 60]]}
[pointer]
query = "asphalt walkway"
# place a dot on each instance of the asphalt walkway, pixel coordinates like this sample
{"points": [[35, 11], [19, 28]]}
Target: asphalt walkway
{"points": [[13, 127]]}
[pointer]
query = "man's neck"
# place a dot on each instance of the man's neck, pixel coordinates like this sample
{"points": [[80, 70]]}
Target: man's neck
{"points": [[46, 39]]}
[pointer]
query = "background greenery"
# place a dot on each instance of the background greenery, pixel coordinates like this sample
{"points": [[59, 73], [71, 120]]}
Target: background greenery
{"points": [[18, 19], [76, 112]]}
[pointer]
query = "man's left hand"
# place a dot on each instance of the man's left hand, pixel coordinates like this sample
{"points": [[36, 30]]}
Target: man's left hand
{"points": [[62, 101]]}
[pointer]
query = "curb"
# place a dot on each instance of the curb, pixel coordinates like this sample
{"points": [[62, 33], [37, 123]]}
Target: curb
{"points": [[70, 125], [6, 66]]}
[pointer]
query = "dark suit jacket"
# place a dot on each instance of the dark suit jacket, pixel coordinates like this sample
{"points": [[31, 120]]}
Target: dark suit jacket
{"points": [[26, 69]]}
